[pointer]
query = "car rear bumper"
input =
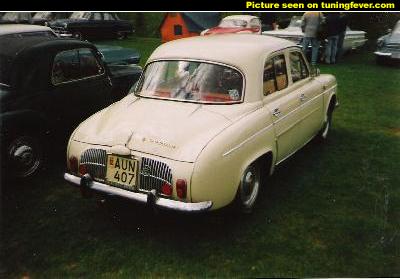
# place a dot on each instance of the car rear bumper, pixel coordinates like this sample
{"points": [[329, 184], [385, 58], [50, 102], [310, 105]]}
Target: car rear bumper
{"points": [[149, 198]]}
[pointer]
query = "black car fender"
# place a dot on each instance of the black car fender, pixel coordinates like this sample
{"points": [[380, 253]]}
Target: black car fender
{"points": [[21, 121]]}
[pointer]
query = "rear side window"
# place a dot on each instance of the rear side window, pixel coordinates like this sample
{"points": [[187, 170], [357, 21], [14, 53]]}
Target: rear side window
{"points": [[275, 75], [75, 64], [298, 66]]}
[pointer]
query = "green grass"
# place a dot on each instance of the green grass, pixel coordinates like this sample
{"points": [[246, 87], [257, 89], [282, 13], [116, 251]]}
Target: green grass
{"points": [[331, 210]]}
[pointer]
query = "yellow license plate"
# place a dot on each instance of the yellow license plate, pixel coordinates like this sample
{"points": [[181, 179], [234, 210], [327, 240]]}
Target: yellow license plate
{"points": [[122, 170]]}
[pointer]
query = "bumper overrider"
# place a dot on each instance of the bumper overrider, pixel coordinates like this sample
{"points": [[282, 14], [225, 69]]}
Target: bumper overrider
{"points": [[150, 198]]}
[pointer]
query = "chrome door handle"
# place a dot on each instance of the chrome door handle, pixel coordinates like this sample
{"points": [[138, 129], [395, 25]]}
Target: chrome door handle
{"points": [[276, 112], [303, 97]]}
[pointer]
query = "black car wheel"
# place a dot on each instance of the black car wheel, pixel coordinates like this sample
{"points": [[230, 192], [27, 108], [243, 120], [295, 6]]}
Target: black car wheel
{"points": [[24, 156]]}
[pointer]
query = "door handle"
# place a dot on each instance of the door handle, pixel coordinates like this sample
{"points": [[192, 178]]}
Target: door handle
{"points": [[303, 97], [276, 112]]}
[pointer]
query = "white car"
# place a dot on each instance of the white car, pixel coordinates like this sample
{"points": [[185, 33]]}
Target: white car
{"points": [[239, 24], [352, 40], [204, 124]]}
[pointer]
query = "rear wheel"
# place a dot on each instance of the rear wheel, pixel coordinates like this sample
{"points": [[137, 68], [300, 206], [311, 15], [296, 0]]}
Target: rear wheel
{"points": [[249, 188]]}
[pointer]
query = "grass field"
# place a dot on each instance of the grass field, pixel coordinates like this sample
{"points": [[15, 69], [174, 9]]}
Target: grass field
{"points": [[331, 210]]}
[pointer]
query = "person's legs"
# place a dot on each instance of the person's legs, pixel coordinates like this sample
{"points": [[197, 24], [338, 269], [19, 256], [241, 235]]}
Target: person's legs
{"points": [[315, 48], [340, 42], [328, 50], [334, 45], [305, 43]]}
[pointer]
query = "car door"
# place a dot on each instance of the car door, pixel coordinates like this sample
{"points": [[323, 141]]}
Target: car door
{"points": [[309, 91], [283, 103], [80, 83]]}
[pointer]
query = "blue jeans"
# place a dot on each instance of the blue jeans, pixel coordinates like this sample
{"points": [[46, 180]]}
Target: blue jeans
{"points": [[314, 48], [331, 49], [339, 52]]}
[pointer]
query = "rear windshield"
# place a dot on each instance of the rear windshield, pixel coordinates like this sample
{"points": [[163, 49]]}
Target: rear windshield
{"points": [[191, 81]]}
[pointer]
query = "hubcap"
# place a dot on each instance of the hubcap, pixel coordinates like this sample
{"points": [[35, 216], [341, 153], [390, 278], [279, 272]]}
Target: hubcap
{"points": [[24, 156], [249, 186]]}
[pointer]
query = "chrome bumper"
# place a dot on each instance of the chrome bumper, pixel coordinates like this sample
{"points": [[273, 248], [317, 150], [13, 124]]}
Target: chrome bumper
{"points": [[386, 54], [147, 198]]}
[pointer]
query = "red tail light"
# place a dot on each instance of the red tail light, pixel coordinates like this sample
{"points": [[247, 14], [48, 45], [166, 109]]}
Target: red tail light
{"points": [[166, 189], [73, 164], [82, 169], [181, 188]]}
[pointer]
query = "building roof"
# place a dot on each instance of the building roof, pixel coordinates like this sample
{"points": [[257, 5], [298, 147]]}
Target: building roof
{"points": [[197, 22]]}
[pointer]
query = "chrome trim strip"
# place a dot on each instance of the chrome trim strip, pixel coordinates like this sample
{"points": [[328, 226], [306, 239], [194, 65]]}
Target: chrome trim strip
{"points": [[383, 53], [247, 140], [140, 197]]}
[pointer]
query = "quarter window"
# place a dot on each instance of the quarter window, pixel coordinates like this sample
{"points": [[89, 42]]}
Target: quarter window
{"points": [[75, 64], [275, 75], [298, 66]]}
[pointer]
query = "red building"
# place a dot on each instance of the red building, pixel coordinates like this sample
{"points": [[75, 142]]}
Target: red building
{"points": [[181, 25]]}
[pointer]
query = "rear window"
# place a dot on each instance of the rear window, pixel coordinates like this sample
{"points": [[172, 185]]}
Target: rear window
{"points": [[191, 81]]}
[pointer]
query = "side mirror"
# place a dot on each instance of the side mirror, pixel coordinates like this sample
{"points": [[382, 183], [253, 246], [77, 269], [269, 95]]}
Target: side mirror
{"points": [[389, 31]]}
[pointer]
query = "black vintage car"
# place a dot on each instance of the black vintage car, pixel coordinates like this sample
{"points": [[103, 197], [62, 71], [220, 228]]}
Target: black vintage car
{"points": [[47, 86], [92, 25]]}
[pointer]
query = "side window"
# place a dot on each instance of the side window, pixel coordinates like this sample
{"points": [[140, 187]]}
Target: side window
{"points": [[66, 67], [254, 23], [96, 16], [178, 29], [275, 75], [75, 64], [89, 64], [108, 16], [298, 66]]}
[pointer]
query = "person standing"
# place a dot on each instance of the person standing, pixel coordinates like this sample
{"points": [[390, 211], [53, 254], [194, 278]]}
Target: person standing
{"points": [[332, 23], [310, 24], [342, 26]]}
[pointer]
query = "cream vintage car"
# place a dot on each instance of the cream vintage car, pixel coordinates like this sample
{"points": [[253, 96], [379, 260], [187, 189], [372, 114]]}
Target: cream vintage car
{"points": [[208, 118]]}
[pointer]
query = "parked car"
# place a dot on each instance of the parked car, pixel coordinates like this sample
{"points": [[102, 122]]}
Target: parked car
{"points": [[16, 17], [42, 18], [353, 39], [113, 55], [92, 25], [388, 46], [236, 24], [48, 85], [202, 127]]}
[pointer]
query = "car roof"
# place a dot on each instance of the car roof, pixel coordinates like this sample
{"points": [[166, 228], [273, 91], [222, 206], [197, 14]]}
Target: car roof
{"points": [[242, 17], [8, 29], [13, 46], [240, 50]]}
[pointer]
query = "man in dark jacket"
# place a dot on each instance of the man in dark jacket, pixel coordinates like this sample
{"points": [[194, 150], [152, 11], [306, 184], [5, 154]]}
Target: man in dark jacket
{"points": [[332, 23]]}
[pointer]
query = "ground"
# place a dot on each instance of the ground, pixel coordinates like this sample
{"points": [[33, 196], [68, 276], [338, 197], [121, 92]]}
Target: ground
{"points": [[331, 210]]}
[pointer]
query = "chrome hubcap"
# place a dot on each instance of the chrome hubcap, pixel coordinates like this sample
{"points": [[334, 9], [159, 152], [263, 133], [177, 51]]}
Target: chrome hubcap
{"points": [[24, 157], [249, 186]]}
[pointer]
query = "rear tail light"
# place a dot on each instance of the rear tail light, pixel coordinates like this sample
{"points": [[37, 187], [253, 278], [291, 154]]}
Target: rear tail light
{"points": [[166, 189], [73, 164], [181, 188]]}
